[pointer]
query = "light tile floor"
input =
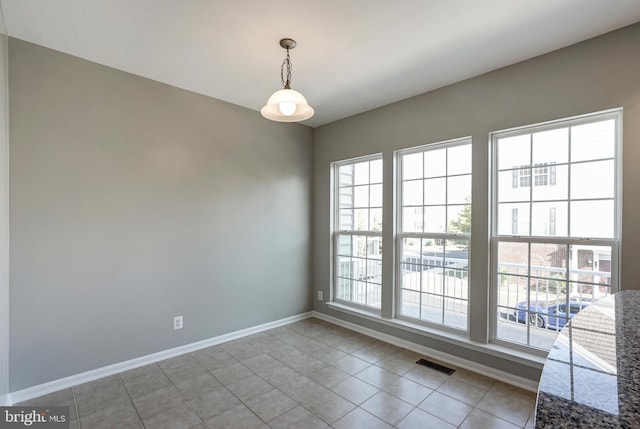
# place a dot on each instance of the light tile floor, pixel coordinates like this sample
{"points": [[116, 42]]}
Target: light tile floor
{"points": [[306, 375]]}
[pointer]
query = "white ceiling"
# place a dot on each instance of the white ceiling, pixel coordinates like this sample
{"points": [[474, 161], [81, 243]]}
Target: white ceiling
{"points": [[352, 55]]}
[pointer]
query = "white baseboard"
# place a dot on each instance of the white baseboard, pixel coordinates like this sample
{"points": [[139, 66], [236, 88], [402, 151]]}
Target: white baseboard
{"points": [[514, 380], [84, 377], [4, 400]]}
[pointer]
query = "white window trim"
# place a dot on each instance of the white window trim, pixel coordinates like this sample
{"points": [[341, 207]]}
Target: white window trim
{"points": [[616, 114], [336, 232], [399, 235]]}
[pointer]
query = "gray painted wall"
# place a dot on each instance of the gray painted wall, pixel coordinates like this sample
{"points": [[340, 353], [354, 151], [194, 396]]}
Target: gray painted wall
{"points": [[133, 202], [595, 75], [4, 214]]}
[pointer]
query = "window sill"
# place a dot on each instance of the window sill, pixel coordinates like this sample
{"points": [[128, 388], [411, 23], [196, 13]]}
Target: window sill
{"points": [[523, 357]]}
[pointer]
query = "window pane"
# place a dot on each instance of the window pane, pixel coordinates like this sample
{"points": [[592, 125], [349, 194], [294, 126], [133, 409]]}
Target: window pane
{"points": [[548, 271], [345, 173], [411, 246], [361, 219], [375, 220], [375, 195], [593, 141], [556, 183], [412, 219], [514, 258], [361, 173], [592, 219], [375, 167], [359, 294], [460, 219], [410, 305], [343, 290], [592, 180], [431, 309], [361, 196], [344, 266], [459, 160], [344, 245], [346, 219], [435, 163], [375, 252], [455, 313], [435, 219], [512, 290], [359, 245], [346, 197], [590, 272], [374, 295], [432, 253], [435, 191], [514, 151], [458, 190], [551, 146], [513, 219], [412, 193], [412, 166], [509, 189], [512, 272], [549, 219]]}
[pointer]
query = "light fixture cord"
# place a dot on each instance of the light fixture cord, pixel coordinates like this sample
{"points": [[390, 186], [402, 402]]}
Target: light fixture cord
{"points": [[286, 66]]}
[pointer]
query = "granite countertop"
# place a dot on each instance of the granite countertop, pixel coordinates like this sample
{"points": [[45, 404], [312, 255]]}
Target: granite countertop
{"points": [[592, 375]]}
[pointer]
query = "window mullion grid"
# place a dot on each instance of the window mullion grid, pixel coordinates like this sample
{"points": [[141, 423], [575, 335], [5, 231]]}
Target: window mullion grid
{"points": [[530, 185], [569, 167], [443, 282], [353, 298], [567, 274], [528, 300], [437, 267], [421, 293], [446, 226], [567, 241]]}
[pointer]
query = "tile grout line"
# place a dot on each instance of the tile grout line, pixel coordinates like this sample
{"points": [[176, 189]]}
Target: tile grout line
{"points": [[75, 405], [182, 395], [130, 399]]}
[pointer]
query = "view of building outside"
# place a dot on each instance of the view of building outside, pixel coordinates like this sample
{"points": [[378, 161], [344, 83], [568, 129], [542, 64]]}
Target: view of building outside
{"points": [[555, 226], [435, 201], [358, 249]]}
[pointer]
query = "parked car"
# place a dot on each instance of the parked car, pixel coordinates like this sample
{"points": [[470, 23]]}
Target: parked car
{"points": [[550, 315]]}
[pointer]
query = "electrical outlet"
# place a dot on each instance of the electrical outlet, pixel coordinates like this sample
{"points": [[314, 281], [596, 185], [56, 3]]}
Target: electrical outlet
{"points": [[319, 295], [177, 323]]}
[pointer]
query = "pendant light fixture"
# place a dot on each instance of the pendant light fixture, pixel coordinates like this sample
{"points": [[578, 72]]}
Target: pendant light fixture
{"points": [[287, 105]]}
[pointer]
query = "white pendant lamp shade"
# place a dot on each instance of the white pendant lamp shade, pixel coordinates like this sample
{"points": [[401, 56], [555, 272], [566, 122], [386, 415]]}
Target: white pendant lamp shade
{"points": [[287, 105]]}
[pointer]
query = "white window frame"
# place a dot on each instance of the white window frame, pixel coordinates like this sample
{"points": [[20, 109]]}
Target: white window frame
{"points": [[400, 235], [337, 232], [496, 238]]}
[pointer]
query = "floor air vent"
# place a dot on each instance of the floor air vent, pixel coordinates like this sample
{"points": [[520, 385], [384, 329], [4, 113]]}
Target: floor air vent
{"points": [[436, 366]]}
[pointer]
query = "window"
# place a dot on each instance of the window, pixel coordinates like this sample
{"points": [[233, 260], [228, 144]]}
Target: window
{"points": [[544, 174], [433, 233], [554, 243], [358, 232]]}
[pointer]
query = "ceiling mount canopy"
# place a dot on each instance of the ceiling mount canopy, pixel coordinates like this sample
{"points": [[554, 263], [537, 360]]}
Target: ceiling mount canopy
{"points": [[287, 105]]}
